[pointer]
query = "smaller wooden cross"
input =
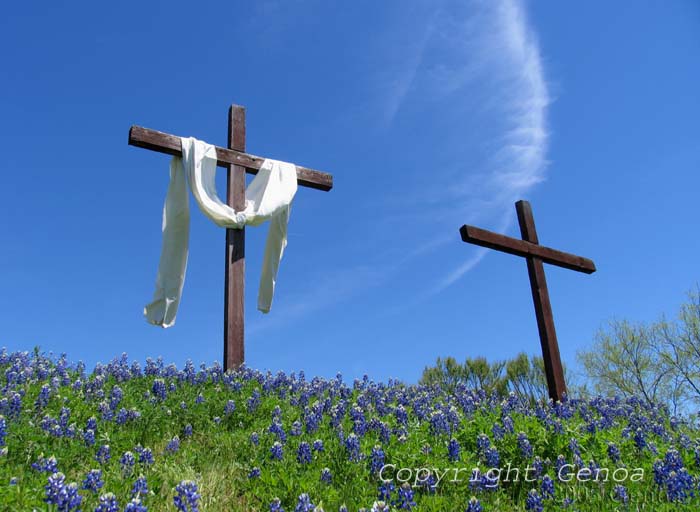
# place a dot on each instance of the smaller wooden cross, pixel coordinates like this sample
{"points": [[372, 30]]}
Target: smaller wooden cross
{"points": [[237, 163], [535, 255]]}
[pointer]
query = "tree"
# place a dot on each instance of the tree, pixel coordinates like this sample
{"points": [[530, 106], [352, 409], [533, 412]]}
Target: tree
{"points": [[625, 360]]}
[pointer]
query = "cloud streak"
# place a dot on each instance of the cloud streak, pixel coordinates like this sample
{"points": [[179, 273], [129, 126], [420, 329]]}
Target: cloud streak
{"points": [[510, 65]]}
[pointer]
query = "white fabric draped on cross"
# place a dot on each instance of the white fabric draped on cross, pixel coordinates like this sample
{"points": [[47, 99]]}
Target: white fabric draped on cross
{"points": [[268, 197]]}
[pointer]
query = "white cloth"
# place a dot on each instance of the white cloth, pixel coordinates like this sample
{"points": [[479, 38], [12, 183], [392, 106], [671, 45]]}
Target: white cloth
{"points": [[268, 197]]}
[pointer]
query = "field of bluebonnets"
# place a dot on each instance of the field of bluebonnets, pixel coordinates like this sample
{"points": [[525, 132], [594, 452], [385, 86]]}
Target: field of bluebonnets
{"points": [[136, 438]]}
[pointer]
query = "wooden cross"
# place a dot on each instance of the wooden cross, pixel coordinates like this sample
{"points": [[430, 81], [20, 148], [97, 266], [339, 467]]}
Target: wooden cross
{"points": [[237, 163], [535, 255]]}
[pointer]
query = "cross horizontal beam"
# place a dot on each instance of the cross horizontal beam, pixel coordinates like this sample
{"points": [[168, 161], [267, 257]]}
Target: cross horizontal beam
{"points": [[170, 144], [518, 247]]}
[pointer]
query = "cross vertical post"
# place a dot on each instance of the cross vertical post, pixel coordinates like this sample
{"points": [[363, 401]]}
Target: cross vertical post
{"points": [[237, 163], [234, 270], [553, 368], [535, 255]]}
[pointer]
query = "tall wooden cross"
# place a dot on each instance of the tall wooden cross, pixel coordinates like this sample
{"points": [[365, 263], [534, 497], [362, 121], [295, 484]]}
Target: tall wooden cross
{"points": [[237, 163], [535, 255]]}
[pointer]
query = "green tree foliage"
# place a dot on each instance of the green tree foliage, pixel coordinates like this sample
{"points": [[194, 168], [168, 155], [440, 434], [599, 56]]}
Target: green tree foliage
{"points": [[523, 375], [658, 362]]}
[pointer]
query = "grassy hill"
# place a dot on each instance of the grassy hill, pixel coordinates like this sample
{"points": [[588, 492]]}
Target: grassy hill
{"points": [[152, 437]]}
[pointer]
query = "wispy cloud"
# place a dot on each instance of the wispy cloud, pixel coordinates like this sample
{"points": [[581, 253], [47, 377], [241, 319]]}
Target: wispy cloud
{"points": [[509, 65]]}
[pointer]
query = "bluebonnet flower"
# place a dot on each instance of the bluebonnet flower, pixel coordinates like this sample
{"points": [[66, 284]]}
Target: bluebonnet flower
{"points": [[304, 504], [537, 466], [376, 461], [127, 462], [89, 437], [230, 407], [640, 439], [276, 451], [108, 503], [482, 442], [44, 465], [276, 506], [380, 506], [277, 429], [173, 445], [343, 508], [64, 496], [43, 399], [547, 487], [254, 438], [217, 420], [135, 505], [326, 476], [145, 456], [453, 450], [103, 454], [405, 498], [3, 430], [187, 430], [524, 445], [140, 487], [254, 473], [352, 448], [187, 497], [492, 457], [93, 481], [304, 453], [158, 389], [115, 397], [318, 445], [498, 432], [385, 490], [620, 494], [13, 480], [534, 501], [199, 399], [296, 428], [474, 505], [253, 401], [613, 452]]}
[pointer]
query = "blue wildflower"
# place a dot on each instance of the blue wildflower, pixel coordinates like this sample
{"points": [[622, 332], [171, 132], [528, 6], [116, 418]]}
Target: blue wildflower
{"points": [[534, 501], [276, 451], [230, 407], [318, 445], [158, 389], [135, 505], [376, 461], [352, 448], [474, 505], [620, 494], [254, 438], [173, 445], [547, 487], [326, 476], [385, 490], [254, 473], [304, 453], [108, 503], [405, 498], [146, 456], [613, 452], [44, 465], [276, 506], [140, 487], [93, 481], [187, 430], [103, 454], [453, 450], [304, 504], [64, 496], [524, 445], [127, 462], [187, 497]]}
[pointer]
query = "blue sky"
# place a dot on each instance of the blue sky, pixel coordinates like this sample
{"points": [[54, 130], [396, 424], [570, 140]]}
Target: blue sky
{"points": [[428, 114]]}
